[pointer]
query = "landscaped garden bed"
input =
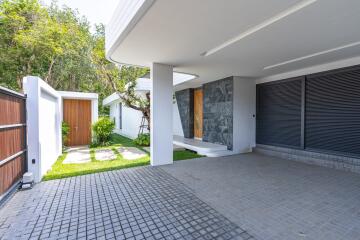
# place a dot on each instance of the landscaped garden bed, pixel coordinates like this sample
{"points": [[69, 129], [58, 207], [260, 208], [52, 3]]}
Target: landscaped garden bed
{"points": [[62, 169]]}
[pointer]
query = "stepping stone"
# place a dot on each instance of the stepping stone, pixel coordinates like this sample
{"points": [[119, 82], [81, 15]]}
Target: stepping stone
{"points": [[77, 155], [131, 153], [104, 154]]}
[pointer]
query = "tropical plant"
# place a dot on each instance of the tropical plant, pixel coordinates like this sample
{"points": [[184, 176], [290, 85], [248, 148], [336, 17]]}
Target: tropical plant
{"points": [[65, 130], [142, 139], [103, 129]]}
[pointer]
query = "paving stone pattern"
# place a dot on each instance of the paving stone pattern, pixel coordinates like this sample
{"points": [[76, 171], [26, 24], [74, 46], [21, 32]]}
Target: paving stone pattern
{"points": [[138, 203]]}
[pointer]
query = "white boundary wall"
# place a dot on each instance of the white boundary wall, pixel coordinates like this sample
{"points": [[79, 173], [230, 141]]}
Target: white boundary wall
{"points": [[43, 124]]}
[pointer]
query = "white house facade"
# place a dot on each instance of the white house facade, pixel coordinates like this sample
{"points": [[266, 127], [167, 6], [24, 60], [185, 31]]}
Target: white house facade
{"points": [[282, 79]]}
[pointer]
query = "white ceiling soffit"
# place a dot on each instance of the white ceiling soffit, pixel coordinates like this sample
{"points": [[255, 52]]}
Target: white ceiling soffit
{"points": [[248, 38], [178, 78], [274, 19], [313, 55]]}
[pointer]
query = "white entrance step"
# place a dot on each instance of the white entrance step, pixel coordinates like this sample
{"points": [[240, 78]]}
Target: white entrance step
{"points": [[220, 153], [202, 148]]}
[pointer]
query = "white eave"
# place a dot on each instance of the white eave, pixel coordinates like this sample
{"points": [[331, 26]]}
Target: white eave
{"points": [[111, 99], [78, 95], [126, 16]]}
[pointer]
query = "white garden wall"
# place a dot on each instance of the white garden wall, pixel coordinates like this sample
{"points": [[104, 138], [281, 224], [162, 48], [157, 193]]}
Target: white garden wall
{"points": [[44, 126]]}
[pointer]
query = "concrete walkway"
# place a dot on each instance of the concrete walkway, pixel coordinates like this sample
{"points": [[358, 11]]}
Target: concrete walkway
{"points": [[277, 199]]}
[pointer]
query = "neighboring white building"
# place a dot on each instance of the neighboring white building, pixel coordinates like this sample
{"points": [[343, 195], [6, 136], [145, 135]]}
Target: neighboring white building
{"points": [[128, 120]]}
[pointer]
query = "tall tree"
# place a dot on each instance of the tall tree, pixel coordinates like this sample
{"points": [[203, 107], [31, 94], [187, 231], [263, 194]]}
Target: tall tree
{"points": [[121, 78], [57, 45]]}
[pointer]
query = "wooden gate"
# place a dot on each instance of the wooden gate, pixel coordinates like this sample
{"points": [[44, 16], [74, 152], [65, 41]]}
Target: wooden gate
{"points": [[13, 151], [77, 113]]}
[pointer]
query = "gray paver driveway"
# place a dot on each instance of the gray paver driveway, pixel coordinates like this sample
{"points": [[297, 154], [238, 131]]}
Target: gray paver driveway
{"points": [[275, 199], [139, 203]]}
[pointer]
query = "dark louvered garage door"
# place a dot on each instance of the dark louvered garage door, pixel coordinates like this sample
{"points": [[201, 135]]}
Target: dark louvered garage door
{"points": [[278, 120], [333, 111]]}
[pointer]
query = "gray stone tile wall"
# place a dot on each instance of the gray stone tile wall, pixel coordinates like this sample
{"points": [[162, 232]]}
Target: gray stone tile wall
{"points": [[218, 112], [185, 102]]}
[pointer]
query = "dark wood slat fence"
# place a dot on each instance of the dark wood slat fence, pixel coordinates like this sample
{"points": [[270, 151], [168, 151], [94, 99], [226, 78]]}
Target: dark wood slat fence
{"points": [[13, 150]]}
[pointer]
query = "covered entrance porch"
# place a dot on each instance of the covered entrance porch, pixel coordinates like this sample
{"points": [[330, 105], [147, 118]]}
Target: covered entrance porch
{"points": [[232, 49]]}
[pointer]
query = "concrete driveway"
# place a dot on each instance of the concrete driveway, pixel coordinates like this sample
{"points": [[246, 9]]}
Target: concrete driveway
{"points": [[277, 199], [139, 203], [238, 197]]}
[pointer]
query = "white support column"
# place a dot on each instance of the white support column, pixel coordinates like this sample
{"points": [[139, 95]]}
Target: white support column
{"points": [[161, 101]]}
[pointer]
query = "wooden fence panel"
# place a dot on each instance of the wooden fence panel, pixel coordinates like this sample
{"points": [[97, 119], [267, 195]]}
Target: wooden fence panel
{"points": [[13, 150]]}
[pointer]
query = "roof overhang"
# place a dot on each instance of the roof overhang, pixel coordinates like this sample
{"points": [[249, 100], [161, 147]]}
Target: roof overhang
{"points": [[246, 38]]}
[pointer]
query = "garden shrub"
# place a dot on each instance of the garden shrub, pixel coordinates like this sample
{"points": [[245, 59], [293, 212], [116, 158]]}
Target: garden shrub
{"points": [[142, 139], [103, 129], [65, 129]]}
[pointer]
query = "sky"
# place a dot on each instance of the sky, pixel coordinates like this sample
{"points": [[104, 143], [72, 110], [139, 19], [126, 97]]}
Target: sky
{"points": [[96, 11]]}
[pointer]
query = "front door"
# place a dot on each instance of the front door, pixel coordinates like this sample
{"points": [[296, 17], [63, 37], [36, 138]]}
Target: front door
{"points": [[77, 113], [198, 113]]}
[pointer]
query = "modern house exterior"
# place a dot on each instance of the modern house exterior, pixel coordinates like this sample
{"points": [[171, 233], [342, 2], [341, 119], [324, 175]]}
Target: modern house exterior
{"points": [[281, 78]]}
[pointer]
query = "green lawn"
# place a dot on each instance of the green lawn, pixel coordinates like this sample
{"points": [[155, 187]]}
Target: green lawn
{"points": [[60, 170]]}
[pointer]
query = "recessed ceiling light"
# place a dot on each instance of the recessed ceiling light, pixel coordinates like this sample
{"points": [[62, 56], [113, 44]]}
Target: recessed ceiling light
{"points": [[287, 12], [312, 55]]}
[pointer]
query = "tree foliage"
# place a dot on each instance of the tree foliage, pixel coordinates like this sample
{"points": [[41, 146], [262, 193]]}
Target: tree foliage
{"points": [[57, 45]]}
